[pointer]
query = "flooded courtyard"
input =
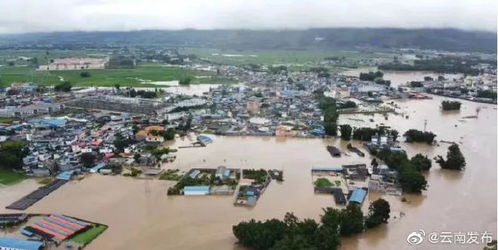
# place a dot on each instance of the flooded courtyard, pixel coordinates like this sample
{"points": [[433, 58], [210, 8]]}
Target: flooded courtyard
{"points": [[141, 216]]}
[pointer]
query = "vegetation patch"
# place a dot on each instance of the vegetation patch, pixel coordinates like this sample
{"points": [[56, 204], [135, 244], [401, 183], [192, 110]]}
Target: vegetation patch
{"points": [[259, 176], [141, 76], [89, 235], [9, 177], [454, 159], [45, 181], [170, 175], [323, 182], [451, 105]]}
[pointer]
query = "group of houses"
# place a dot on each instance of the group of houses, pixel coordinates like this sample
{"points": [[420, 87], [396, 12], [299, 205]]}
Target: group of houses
{"points": [[351, 183]]}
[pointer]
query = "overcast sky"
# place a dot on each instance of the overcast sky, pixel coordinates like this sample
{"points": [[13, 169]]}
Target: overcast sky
{"points": [[17, 16]]}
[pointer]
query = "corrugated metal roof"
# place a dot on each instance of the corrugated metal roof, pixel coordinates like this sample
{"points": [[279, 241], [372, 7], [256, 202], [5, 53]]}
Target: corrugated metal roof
{"points": [[196, 189], [327, 168], [97, 167], [358, 195], [20, 243], [65, 175]]}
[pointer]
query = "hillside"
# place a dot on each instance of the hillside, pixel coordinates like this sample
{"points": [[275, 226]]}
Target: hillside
{"points": [[336, 38]]}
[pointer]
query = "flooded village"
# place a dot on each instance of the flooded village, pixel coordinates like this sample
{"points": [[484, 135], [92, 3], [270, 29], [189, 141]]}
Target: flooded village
{"points": [[178, 170]]}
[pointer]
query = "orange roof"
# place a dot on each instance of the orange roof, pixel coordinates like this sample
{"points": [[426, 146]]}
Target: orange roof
{"points": [[150, 128]]}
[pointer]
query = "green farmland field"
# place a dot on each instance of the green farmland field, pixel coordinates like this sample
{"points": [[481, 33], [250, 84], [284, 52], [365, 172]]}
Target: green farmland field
{"points": [[8, 177], [106, 77], [89, 235], [269, 57]]}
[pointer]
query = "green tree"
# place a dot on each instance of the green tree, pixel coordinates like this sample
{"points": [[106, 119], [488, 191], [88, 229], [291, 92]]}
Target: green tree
{"points": [[11, 154], [346, 131], [352, 220], [87, 159], [421, 162], [185, 80], [63, 87], [327, 239], [260, 235], [297, 242], [330, 115], [411, 180], [85, 74], [378, 213], [454, 159], [120, 142], [414, 135], [169, 134], [451, 105], [331, 218], [137, 157]]}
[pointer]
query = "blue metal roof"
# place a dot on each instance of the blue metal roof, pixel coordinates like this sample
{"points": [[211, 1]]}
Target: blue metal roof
{"points": [[327, 168], [97, 167], [196, 189], [65, 175], [358, 195], [204, 139], [20, 244]]}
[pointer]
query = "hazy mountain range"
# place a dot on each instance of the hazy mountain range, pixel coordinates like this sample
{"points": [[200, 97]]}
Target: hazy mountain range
{"points": [[333, 38]]}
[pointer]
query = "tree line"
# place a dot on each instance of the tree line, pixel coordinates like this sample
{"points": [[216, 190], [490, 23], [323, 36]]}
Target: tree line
{"points": [[371, 76], [366, 133], [413, 135], [11, 154], [328, 106], [439, 65], [294, 233]]}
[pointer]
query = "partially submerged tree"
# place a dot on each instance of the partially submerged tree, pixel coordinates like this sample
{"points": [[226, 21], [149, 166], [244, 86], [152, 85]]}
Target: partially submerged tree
{"points": [[454, 159], [87, 159], [346, 132], [421, 162], [378, 213]]}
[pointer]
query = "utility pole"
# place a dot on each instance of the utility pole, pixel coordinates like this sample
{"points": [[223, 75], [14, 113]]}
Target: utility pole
{"points": [[425, 125]]}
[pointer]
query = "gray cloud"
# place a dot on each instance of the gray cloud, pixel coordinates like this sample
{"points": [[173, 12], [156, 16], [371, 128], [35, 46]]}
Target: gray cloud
{"points": [[69, 15]]}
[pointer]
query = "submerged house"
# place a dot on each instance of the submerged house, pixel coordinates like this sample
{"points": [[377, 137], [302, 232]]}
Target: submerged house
{"points": [[222, 172], [334, 151]]}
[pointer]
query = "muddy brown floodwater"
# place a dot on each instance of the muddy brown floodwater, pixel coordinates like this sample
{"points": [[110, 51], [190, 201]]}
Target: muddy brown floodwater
{"points": [[401, 77], [141, 216]]}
